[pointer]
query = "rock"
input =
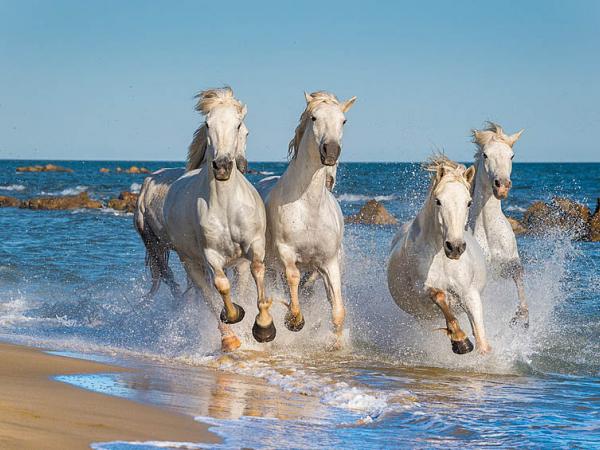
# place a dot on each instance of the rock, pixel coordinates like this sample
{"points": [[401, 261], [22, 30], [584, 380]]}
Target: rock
{"points": [[373, 213], [104, 170], [127, 201], [594, 223], [82, 200], [517, 227], [560, 213], [137, 170], [46, 168], [9, 202]]}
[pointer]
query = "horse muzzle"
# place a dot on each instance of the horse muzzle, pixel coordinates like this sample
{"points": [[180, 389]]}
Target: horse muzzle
{"points": [[330, 152], [501, 188], [242, 164], [454, 250], [222, 168]]}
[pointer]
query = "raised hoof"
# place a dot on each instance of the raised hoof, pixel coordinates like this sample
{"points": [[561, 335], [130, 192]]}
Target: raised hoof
{"points": [[230, 344], [292, 324], [462, 347], [239, 316], [521, 318], [264, 334]]}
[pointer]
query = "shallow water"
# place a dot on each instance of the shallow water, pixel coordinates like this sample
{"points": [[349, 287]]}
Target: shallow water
{"points": [[73, 280]]}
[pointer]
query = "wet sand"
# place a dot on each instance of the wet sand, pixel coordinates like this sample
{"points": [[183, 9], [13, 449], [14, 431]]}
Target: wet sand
{"points": [[38, 412]]}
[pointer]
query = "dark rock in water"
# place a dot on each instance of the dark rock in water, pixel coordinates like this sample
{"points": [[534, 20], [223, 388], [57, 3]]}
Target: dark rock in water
{"points": [[46, 168], [82, 200], [560, 213], [373, 213], [595, 224], [517, 227], [127, 201], [9, 202]]}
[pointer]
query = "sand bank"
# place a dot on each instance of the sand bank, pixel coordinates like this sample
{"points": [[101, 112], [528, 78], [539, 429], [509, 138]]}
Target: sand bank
{"points": [[37, 412]]}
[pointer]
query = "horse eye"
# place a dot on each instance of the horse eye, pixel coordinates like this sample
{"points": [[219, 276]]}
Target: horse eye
{"points": [[240, 125], [206, 124], [512, 157], [437, 202], [469, 204], [313, 118], [345, 120], [485, 156]]}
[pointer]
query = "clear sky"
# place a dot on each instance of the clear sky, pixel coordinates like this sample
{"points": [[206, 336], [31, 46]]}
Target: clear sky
{"points": [[116, 79]]}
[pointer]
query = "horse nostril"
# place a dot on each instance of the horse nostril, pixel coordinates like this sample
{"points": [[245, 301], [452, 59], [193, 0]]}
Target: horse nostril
{"points": [[497, 183], [463, 247], [509, 184], [448, 245], [325, 148]]}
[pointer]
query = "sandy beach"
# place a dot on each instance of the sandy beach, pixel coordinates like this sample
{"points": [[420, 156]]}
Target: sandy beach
{"points": [[37, 412]]}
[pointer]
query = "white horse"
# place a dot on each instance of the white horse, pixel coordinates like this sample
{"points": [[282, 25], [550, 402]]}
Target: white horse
{"points": [[493, 161], [214, 219], [148, 217], [434, 262], [304, 220]]}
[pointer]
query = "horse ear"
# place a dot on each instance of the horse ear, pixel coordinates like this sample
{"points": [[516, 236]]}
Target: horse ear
{"points": [[441, 171], [348, 104], [469, 174], [244, 111], [308, 97], [514, 137]]}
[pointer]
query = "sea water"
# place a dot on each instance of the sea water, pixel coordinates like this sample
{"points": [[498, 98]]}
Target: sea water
{"points": [[74, 280]]}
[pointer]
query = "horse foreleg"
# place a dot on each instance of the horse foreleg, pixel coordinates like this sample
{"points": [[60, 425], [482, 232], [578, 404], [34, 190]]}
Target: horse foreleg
{"points": [[460, 342], [229, 341], [333, 285], [263, 329], [522, 314], [232, 312], [294, 321], [474, 311]]}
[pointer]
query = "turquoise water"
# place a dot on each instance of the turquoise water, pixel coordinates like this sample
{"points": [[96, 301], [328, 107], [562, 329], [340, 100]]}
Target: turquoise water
{"points": [[73, 280]]}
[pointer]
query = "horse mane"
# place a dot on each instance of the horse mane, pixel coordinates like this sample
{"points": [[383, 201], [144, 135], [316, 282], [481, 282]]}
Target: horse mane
{"points": [[492, 131], [452, 171], [207, 100], [317, 98]]}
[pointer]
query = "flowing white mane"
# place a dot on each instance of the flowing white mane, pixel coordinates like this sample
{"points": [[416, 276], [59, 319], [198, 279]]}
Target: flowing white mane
{"points": [[317, 98], [207, 100], [491, 132], [444, 171]]}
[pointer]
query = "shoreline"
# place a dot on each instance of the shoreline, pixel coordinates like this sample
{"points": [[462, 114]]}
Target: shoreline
{"points": [[37, 411]]}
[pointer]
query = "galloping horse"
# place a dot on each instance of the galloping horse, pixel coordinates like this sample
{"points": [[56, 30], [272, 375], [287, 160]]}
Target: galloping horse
{"points": [[214, 219], [148, 216], [493, 161], [305, 225], [434, 262]]}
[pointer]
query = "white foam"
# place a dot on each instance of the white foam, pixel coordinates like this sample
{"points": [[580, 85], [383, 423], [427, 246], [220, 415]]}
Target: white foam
{"points": [[68, 191], [516, 208], [13, 187], [363, 198], [121, 445], [135, 188]]}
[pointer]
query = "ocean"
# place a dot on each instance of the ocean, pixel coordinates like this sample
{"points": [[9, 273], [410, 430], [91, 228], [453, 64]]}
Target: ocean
{"points": [[72, 281]]}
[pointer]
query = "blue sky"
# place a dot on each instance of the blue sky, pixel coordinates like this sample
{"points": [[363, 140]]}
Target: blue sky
{"points": [[116, 79]]}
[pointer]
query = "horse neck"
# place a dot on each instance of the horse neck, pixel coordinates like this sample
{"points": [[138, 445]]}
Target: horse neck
{"points": [[306, 174], [485, 206], [220, 190], [428, 229]]}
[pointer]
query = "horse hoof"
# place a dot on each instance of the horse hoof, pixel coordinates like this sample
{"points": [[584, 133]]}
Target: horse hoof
{"points": [[239, 316], [264, 334], [521, 318], [230, 344], [292, 324], [462, 347]]}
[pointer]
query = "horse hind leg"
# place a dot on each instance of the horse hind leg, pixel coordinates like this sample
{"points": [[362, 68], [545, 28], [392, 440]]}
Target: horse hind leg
{"points": [[460, 342], [522, 315]]}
